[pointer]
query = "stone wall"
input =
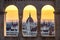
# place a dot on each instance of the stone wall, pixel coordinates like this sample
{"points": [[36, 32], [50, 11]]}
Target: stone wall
{"points": [[20, 5]]}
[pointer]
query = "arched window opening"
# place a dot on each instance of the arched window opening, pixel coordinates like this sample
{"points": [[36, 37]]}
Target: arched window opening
{"points": [[11, 21], [47, 21], [29, 21]]}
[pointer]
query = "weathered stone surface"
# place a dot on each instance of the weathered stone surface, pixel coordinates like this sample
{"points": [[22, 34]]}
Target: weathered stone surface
{"points": [[20, 5]]}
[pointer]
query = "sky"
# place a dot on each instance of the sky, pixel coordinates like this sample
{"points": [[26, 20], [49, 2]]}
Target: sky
{"points": [[46, 13], [29, 9], [12, 13]]}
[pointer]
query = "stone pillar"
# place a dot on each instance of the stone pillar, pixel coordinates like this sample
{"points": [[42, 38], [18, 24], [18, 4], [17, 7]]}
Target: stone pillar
{"points": [[38, 27], [57, 25], [20, 25], [57, 20], [38, 24], [2, 25]]}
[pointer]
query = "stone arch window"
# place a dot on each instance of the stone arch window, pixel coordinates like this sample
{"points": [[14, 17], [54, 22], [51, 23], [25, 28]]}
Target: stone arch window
{"points": [[11, 21], [29, 21], [47, 21]]}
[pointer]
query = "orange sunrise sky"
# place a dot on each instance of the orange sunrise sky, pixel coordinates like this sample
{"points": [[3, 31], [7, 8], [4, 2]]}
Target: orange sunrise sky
{"points": [[46, 13]]}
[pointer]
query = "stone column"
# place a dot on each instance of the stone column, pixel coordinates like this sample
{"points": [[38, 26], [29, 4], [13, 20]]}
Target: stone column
{"points": [[57, 20], [2, 25], [57, 25], [20, 25], [39, 26]]}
